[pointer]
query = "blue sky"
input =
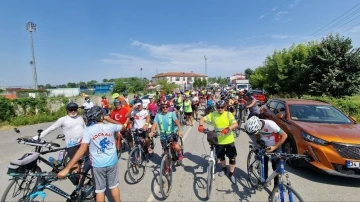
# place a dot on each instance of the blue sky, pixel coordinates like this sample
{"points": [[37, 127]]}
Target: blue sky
{"points": [[89, 39]]}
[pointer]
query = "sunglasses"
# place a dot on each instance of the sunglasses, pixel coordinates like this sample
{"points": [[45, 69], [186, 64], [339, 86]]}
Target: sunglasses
{"points": [[164, 107], [73, 110], [220, 107]]}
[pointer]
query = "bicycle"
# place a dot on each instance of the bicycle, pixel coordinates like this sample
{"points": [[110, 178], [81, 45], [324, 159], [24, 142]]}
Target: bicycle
{"points": [[44, 182], [170, 156], [240, 118], [210, 167], [181, 116], [256, 168], [137, 158], [28, 164]]}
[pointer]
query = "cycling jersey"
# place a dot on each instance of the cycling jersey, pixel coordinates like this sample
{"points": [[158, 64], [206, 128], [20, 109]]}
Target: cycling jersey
{"points": [[88, 105], [194, 100], [187, 106], [210, 103], [270, 132], [102, 147], [152, 108], [72, 128], [166, 123], [139, 118], [119, 115], [220, 122]]}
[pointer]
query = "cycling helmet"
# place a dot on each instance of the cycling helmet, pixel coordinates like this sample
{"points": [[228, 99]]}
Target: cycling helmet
{"points": [[125, 94], [103, 97], [253, 125], [115, 95], [222, 94], [94, 114], [87, 98], [71, 105], [138, 101], [220, 103], [248, 93], [116, 101]]}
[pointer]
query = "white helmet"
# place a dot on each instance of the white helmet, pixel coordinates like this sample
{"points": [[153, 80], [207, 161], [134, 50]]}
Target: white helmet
{"points": [[253, 125]]}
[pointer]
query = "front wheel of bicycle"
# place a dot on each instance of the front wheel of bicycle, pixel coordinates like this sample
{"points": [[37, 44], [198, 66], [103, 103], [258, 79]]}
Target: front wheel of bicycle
{"points": [[22, 187], [209, 179], [136, 165], [165, 180], [288, 194], [253, 169]]}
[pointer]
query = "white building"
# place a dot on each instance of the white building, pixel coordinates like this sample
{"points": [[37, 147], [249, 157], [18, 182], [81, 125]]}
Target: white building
{"points": [[179, 78], [66, 92]]}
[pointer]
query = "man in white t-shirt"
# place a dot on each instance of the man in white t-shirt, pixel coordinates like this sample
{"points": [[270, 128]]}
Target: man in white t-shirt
{"points": [[271, 134], [195, 104], [141, 120], [88, 104]]}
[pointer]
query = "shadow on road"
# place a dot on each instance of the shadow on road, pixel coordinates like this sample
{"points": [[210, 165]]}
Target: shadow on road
{"points": [[155, 191], [199, 187]]}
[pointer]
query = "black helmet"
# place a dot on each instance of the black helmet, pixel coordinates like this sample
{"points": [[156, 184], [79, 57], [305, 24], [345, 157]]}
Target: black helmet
{"points": [[249, 93], [87, 98], [94, 114], [125, 93], [104, 96], [137, 101], [71, 105], [220, 103]]}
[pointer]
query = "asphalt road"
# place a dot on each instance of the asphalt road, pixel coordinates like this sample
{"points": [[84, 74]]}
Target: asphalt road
{"points": [[189, 179]]}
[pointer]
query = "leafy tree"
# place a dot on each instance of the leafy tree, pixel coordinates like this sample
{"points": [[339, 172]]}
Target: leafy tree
{"points": [[197, 82], [91, 83], [71, 85], [203, 83], [82, 84], [105, 80], [248, 72], [48, 86], [166, 86]]}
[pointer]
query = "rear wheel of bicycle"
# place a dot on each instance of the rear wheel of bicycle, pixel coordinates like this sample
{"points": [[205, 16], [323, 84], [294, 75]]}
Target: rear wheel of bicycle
{"points": [[20, 188], [209, 179], [288, 193], [136, 165], [165, 180], [253, 169]]}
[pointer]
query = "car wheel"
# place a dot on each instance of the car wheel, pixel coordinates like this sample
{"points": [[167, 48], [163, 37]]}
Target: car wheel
{"points": [[289, 147]]}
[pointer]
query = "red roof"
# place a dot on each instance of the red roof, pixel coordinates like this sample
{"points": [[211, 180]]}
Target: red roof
{"points": [[178, 74]]}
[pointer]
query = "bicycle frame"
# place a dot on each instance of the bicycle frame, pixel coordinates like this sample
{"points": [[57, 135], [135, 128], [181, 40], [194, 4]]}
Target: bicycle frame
{"points": [[212, 158]]}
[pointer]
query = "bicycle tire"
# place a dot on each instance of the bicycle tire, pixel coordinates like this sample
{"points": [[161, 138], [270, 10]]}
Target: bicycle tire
{"points": [[169, 178], [7, 190], [130, 164], [209, 179], [250, 170], [290, 190]]}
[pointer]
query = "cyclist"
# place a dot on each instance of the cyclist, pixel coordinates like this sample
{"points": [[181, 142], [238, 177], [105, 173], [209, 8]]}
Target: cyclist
{"points": [[152, 106], [100, 140], [195, 105], [224, 123], [141, 120], [188, 110], [125, 94], [271, 134], [166, 122], [105, 104], [87, 104], [178, 102], [254, 109], [230, 104]]}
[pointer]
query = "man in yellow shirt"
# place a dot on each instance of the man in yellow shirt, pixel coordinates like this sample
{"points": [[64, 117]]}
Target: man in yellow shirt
{"points": [[224, 123]]}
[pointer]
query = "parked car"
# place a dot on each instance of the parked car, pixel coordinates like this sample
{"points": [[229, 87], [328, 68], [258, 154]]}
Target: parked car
{"points": [[331, 138], [145, 100], [259, 96]]}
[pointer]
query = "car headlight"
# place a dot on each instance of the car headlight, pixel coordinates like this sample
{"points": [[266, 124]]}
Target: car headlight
{"points": [[313, 139]]}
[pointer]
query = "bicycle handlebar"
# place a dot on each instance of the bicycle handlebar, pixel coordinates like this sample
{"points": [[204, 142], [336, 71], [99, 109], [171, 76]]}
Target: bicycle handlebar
{"points": [[37, 143]]}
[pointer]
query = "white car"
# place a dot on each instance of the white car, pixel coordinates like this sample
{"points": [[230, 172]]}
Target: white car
{"points": [[145, 100]]}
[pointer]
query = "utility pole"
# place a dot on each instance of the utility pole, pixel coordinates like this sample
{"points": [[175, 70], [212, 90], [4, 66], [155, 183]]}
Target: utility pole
{"points": [[205, 65], [31, 27], [141, 69]]}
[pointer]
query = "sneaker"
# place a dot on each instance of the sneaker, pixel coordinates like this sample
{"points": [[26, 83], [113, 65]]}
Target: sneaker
{"points": [[232, 179], [180, 156], [221, 173]]}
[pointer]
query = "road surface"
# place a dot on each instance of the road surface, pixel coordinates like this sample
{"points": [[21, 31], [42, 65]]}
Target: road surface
{"points": [[189, 179]]}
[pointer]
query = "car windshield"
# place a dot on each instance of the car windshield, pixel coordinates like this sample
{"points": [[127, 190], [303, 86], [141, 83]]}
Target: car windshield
{"points": [[317, 114], [145, 97], [241, 86]]}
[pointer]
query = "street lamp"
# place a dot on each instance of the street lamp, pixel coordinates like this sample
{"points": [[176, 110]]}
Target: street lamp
{"points": [[205, 65], [31, 27]]}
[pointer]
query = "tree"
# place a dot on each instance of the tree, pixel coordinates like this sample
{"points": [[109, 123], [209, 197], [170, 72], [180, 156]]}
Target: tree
{"points": [[71, 85], [248, 72], [203, 83], [335, 66], [105, 80], [82, 84], [166, 86], [197, 82], [91, 83], [48, 86]]}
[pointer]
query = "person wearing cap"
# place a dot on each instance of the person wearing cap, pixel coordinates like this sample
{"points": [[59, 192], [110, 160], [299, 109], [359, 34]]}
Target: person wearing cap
{"points": [[87, 104], [195, 105], [119, 115]]}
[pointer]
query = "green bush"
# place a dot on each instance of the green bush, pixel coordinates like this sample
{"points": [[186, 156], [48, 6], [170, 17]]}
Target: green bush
{"points": [[6, 109]]}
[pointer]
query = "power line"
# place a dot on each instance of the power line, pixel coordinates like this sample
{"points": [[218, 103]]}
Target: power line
{"points": [[351, 27], [335, 19]]}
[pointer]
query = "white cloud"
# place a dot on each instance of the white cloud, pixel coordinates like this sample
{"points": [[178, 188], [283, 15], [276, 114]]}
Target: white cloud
{"points": [[295, 3], [262, 16], [222, 61], [280, 14], [288, 20], [274, 9], [278, 36]]}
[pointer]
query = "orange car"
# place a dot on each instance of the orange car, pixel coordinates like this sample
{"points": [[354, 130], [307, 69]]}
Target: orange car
{"points": [[331, 138]]}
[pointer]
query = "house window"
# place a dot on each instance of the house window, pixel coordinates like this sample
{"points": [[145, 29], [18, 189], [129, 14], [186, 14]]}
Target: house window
{"points": [[189, 79], [177, 79]]}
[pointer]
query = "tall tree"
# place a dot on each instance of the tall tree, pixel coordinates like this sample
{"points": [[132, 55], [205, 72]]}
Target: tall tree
{"points": [[248, 72]]}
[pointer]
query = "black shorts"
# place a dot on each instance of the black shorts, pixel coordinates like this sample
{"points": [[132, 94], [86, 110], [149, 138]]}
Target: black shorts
{"points": [[127, 134], [188, 113], [71, 151], [231, 109], [177, 107], [172, 137], [227, 149], [195, 107]]}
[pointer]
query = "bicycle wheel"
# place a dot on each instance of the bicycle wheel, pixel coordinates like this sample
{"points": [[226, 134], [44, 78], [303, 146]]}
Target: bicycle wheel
{"points": [[253, 169], [24, 184], [288, 193], [181, 144], [165, 189], [136, 164], [210, 174]]}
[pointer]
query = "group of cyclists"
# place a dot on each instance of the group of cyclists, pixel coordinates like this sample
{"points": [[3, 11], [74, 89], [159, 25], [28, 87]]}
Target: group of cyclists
{"points": [[161, 114]]}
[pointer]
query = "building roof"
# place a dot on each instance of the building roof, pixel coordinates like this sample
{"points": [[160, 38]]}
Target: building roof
{"points": [[238, 74], [178, 74]]}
